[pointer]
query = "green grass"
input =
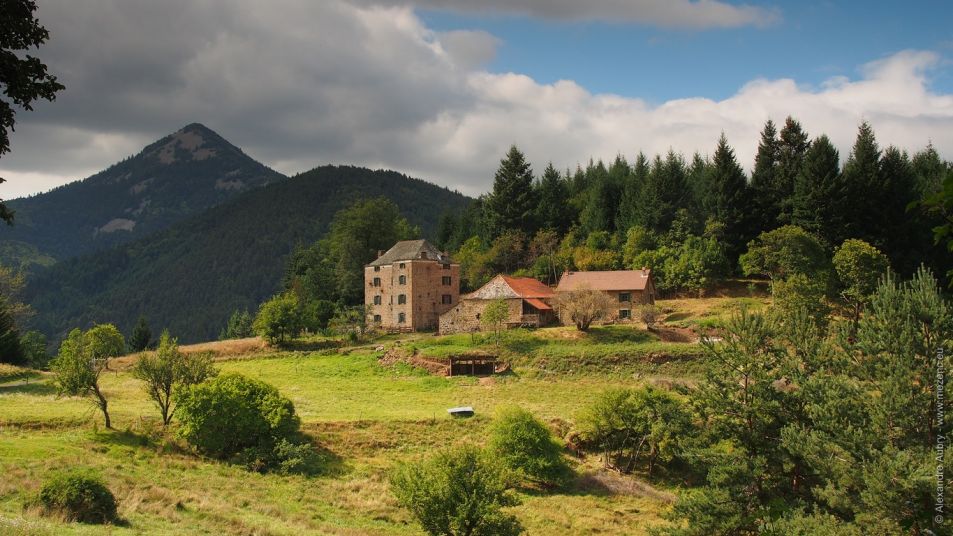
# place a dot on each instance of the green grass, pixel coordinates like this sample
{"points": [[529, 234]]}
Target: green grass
{"points": [[9, 373], [363, 419]]}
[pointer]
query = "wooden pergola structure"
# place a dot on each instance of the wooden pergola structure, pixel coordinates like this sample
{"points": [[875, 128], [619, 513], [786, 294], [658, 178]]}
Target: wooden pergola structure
{"points": [[472, 364]]}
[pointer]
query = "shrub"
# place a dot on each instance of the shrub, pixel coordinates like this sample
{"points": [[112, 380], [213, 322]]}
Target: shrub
{"points": [[631, 425], [526, 446], [80, 496], [457, 491], [279, 318], [226, 415]]}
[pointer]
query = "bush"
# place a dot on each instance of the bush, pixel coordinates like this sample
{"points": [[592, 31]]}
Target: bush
{"points": [[80, 496], [456, 492], [629, 426], [279, 318], [229, 414], [526, 446], [284, 457]]}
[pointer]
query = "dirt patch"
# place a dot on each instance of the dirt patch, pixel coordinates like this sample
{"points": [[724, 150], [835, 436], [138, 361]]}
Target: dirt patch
{"points": [[396, 355], [675, 334], [617, 484]]}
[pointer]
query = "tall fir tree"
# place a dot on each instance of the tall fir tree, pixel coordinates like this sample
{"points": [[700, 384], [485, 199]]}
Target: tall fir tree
{"points": [[863, 189], [766, 206], [792, 146], [697, 179], [141, 336], [665, 191], [602, 200], [511, 204], [727, 198], [818, 192], [896, 226], [553, 211], [628, 217]]}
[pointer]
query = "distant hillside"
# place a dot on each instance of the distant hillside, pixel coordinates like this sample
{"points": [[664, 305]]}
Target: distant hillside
{"points": [[176, 177], [191, 276]]}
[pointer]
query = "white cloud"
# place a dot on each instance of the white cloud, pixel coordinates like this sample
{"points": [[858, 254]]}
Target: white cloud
{"points": [[333, 82], [697, 14]]}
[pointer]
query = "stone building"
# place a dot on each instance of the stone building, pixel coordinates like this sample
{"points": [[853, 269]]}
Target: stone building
{"points": [[628, 288], [408, 287], [529, 301]]}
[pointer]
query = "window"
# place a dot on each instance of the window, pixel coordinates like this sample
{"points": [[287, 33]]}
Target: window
{"points": [[445, 266], [402, 280], [377, 319], [446, 280], [377, 300], [377, 268], [377, 281], [402, 266], [625, 296], [446, 299], [401, 299], [401, 318], [625, 313]]}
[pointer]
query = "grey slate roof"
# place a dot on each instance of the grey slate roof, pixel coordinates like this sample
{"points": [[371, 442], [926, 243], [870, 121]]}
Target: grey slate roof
{"points": [[410, 250]]}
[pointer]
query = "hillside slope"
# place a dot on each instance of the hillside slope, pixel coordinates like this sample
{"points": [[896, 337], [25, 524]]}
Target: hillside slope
{"points": [[176, 177], [191, 276]]}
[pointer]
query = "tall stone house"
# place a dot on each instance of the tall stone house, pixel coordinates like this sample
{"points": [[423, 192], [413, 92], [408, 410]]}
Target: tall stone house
{"points": [[529, 302], [628, 288], [409, 286]]}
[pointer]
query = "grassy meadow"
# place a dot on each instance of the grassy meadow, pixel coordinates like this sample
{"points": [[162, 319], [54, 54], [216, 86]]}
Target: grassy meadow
{"points": [[362, 417]]}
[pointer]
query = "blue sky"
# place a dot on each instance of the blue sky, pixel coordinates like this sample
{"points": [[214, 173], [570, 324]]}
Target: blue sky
{"points": [[811, 42]]}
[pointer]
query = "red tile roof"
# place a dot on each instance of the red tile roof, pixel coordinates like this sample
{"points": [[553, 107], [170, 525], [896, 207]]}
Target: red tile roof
{"points": [[527, 287], [538, 304], [606, 280]]}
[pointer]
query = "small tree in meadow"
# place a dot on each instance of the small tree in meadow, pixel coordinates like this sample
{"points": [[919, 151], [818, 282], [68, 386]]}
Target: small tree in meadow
{"points": [[582, 307], [494, 315], [167, 370], [81, 361], [279, 318], [526, 446], [457, 492]]}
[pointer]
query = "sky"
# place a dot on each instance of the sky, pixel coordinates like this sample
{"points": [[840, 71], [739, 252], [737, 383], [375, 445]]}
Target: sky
{"points": [[439, 89]]}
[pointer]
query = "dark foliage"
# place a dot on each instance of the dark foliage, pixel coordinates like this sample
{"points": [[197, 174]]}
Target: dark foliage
{"points": [[192, 276], [78, 495]]}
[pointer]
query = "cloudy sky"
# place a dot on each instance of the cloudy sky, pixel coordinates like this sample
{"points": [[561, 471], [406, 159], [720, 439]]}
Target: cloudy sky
{"points": [[439, 89]]}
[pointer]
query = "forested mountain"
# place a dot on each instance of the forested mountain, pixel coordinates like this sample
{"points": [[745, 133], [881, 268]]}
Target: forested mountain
{"points": [[191, 276], [176, 177]]}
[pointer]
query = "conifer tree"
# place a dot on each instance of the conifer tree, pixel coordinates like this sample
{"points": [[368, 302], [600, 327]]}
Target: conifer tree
{"points": [[792, 147], [727, 198], [553, 212], [664, 192], [598, 213], [818, 195], [628, 216], [511, 204], [766, 206], [895, 227], [863, 187], [141, 336]]}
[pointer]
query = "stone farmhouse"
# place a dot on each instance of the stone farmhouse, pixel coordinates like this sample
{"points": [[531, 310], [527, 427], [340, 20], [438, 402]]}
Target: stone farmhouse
{"points": [[628, 288], [410, 286], [530, 304]]}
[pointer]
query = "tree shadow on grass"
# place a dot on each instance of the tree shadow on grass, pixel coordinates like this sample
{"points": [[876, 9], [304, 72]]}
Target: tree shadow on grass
{"points": [[616, 334], [123, 438], [33, 388]]}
